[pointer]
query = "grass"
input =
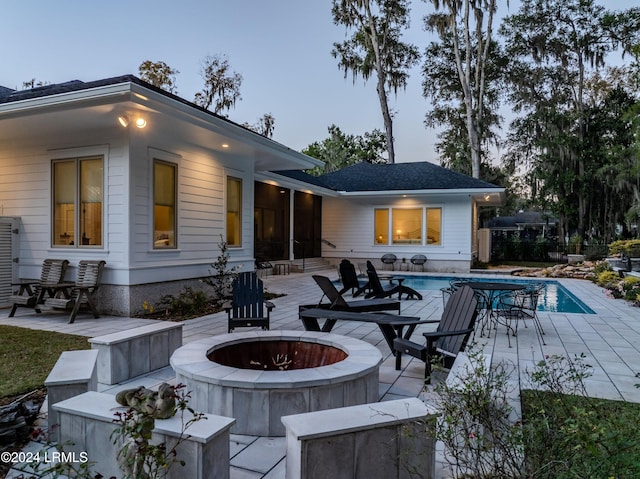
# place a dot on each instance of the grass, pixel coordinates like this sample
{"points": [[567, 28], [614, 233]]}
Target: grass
{"points": [[27, 356], [570, 436]]}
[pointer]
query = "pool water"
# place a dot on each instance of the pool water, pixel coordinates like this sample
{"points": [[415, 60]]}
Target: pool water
{"points": [[555, 298]]}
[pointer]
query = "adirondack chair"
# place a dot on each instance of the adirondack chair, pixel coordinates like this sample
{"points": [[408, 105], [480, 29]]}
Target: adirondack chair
{"points": [[247, 305], [74, 295], [456, 324], [350, 279], [337, 302], [379, 291], [32, 293]]}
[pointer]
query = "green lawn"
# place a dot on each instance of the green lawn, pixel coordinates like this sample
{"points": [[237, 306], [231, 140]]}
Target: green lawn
{"points": [[568, 437], [27, 356]]}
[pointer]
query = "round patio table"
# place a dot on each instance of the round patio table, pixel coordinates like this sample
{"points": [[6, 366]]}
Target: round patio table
{"points": [[487, 292]]}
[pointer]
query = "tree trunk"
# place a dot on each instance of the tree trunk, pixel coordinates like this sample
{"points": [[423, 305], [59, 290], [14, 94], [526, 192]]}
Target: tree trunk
{"points": [[388, 121]]}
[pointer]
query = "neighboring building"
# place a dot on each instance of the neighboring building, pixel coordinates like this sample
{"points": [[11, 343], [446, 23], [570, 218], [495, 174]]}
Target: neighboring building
{"points": [[122, 171]]}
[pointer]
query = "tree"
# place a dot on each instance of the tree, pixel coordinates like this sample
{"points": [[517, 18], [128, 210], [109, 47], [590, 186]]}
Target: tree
{"points": [[265, 125], [375, 47], [221, 84], [469, 26], [159, 74], [442, 85], [340, 150], [554, 46]]}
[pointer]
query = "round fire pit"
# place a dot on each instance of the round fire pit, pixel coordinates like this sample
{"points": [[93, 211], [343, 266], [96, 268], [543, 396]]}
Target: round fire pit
{"points": [[258, 377]]}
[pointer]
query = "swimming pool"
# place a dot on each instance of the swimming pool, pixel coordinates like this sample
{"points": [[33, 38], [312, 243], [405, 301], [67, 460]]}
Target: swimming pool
{"points": [[556, 298]]}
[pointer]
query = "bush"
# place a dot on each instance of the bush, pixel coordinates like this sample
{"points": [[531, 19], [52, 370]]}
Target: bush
{"points": [[221, 277], [608, 279], [188, 303], [601, 267], [629, 247], [575, 244], [480, 437]]}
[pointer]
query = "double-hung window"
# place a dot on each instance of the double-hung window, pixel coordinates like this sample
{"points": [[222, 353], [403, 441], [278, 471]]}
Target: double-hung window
{"points": [[77, 197], [164, 204], [234, 211]]}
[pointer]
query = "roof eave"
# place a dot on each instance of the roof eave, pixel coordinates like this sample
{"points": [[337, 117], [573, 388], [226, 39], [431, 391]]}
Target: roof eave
{"points": [[454, 191], [286, 182]]}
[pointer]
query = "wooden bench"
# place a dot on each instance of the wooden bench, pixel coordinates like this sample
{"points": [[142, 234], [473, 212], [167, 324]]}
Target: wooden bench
{"points": [[74, 373], [133, 352], [86, 425], [32, 293], [73, 295], [385, 439], [391, 325]]}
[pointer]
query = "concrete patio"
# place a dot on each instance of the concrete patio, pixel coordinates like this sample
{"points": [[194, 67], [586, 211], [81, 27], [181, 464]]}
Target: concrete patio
{"points": [[610, 340]]}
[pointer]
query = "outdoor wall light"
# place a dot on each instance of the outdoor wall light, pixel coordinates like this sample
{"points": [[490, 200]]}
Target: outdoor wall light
{"points": [[139, 122]]}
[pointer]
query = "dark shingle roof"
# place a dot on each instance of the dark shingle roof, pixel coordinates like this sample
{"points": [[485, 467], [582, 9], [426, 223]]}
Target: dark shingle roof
{"points": [[390, 177], [4, 91]]}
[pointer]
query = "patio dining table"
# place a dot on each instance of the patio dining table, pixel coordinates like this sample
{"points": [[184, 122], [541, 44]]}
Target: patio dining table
{"points": [[489, 292]]}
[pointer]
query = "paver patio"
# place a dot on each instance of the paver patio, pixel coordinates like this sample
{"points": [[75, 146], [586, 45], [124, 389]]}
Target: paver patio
{"points": [[610, 340]]}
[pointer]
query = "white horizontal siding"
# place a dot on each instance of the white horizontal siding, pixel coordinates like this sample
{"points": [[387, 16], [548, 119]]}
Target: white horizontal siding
{"points": [[25, 192], [349, 225]]}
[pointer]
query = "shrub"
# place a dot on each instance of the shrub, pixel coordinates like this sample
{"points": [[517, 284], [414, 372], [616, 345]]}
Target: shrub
{"points": [[630, 288], [480, 437], [188, 303], [630, 247], [608, 278], [221, 276], [575, 244], [601, 267]]}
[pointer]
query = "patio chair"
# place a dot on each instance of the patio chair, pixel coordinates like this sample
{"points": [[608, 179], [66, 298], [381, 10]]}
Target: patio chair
{"points": [[418, 260], [516, 306], [247, 306], [379, 291], [451, 336], [337, 302], [263, 267], [74, 295], [389, 259], [32, 293], [350, 279]]}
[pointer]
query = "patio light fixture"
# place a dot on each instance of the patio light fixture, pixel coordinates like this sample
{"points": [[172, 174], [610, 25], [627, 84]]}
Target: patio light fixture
{"points": [[124, 121]]}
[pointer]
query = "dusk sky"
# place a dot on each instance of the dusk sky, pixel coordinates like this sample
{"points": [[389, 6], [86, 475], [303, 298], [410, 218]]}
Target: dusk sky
{"points": [[280, 47]]}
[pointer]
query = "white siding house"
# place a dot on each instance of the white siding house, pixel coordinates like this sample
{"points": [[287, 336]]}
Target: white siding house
{"points": [[82, 179], [81, 122], [404, 209]]}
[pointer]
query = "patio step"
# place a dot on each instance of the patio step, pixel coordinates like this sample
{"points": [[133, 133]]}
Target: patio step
{"points": [[310, 265]]}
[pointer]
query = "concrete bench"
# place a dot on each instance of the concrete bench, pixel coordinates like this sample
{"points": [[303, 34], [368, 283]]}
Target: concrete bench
{"points": [[385, 439], [86, 425], [133, 352], [74, 373]]}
